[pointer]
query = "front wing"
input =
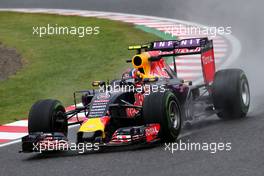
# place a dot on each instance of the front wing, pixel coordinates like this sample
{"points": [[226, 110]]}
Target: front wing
{"points": [[145, 134]]}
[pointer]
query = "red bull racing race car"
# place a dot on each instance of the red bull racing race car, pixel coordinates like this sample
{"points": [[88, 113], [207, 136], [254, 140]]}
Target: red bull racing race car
{"points": [[150, 103]]}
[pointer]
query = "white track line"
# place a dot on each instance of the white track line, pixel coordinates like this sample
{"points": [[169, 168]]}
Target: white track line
{"points": [[10, 143], [11, 135], [18, 123]]}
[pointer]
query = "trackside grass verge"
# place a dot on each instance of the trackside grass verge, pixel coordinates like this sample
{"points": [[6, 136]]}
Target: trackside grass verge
{"points": [[55, 66]]}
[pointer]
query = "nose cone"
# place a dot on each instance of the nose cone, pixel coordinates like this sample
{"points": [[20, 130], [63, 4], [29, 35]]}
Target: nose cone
{"points": [[95, 125]]}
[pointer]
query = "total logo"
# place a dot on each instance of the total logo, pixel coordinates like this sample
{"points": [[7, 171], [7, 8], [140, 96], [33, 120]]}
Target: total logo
{"points": [[103, 96], [153, 130], [207, 59]]}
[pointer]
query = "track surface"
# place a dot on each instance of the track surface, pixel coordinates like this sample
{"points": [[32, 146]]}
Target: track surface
{"points": [[246, 136]]}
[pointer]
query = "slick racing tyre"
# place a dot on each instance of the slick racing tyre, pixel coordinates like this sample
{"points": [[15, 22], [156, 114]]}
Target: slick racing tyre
{"points": [[231, 95], [48, 116], [163, 108]]}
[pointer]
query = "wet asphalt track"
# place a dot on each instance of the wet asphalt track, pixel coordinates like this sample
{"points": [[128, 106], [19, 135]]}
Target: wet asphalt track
{"points": [[246, 136]]}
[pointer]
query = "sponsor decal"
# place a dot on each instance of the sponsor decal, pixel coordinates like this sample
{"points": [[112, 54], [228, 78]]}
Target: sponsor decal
{"points": [[98, 107], [208, 66], [150, 131], [188, 43], [103, 96], [180, 50], [207, 59]]}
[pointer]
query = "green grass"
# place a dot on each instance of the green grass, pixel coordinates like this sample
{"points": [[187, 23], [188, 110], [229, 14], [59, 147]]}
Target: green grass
{"points": [[56, 66]]}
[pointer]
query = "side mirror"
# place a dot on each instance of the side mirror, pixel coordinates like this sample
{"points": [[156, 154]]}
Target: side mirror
{"points": [[154, 79], [98, 83]]}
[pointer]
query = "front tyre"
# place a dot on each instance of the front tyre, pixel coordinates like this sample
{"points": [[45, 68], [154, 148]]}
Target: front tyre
{"points": [[231, 95], [48, 116], [163, 108]]}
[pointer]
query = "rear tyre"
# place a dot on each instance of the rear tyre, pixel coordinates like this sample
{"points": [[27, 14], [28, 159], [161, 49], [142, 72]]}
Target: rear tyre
{"points": [[48, 116], [163, 108], [231, 95]]}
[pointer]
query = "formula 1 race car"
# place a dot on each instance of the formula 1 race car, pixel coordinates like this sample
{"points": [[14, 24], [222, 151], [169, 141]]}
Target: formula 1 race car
{"points": [[149, 103]]}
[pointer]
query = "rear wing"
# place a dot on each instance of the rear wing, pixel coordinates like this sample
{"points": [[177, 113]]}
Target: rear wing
{"points": [[190, 46], [178, 44]]}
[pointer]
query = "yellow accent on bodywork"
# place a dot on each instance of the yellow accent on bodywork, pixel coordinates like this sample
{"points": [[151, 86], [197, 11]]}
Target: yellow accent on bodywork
{"points": [[145, 65], [135, 47], [93, 125]]}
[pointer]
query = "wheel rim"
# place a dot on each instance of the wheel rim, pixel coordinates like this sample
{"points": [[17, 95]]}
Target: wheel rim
{"points": [[59, 121], [174, 114], [245, 93]]}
